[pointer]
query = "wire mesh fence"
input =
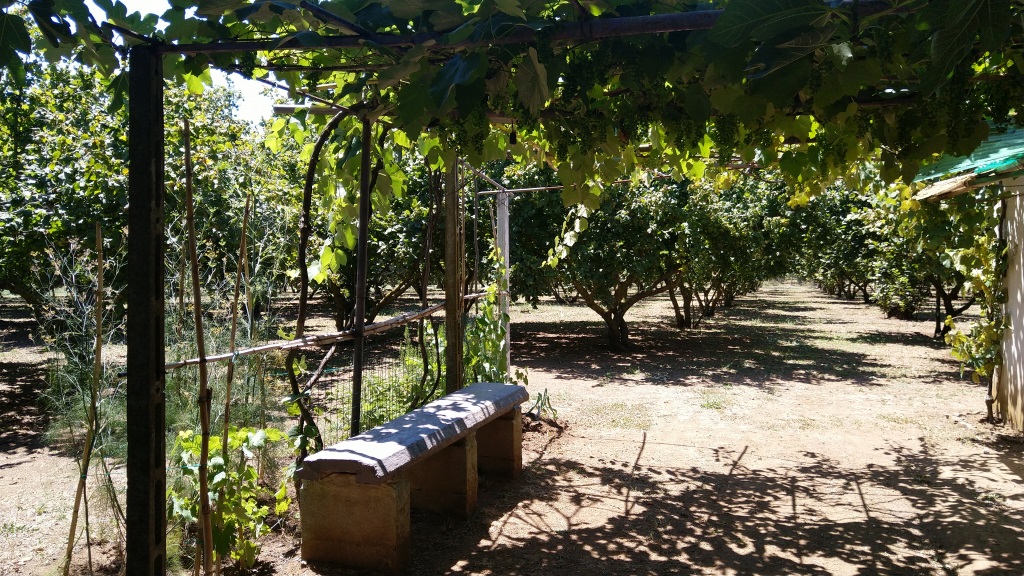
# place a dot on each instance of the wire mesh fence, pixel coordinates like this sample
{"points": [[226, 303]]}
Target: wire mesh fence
{"points": [[403, 368]]}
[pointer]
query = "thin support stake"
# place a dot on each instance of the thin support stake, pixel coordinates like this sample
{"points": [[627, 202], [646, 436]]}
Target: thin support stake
{"points": [[239, 274], [204, 390], [230, 377]]}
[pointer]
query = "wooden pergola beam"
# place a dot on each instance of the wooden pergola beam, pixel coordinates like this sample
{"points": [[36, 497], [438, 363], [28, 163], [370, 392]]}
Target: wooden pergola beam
{"points": [[583, 30]]}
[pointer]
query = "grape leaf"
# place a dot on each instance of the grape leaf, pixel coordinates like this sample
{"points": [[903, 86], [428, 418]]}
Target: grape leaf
{"points": [[764, 19], [531, 81], [13, 38], [460, 70]]}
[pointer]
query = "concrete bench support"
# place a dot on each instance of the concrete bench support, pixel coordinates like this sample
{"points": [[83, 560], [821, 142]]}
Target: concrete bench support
{"points": [[500, 445], [365, 525], [356, 495], [447, 481]]}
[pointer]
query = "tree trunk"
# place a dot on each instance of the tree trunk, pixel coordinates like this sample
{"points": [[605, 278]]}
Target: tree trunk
{"points": [[728, 298], [684, 313], [618, 332], [947, 299], [708, 303], [341, 306], [24, 291]]}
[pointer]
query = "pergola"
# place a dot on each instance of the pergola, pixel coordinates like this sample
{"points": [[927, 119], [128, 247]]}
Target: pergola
{"points": [[146, 460]]}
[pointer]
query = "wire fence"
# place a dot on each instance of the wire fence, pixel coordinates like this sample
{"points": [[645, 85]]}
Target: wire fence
{"points": [[403, 368]]}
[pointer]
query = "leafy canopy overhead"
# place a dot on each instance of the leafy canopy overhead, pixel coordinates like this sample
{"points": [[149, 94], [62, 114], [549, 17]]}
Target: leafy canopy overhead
{"points": [[807, 85]]}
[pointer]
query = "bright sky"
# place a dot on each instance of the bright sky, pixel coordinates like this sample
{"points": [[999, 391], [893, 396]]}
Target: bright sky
{"points": [[254, 106]]}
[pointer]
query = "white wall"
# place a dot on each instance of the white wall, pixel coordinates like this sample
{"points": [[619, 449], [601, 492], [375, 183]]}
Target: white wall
{"points": [[1009, 387]]}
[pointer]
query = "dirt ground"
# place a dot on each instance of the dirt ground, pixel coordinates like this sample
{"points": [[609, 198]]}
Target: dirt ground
{"points": [[792, 434]]}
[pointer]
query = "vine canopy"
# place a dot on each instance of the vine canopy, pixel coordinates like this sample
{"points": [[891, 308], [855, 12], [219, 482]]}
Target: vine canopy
{"points": [[597, 88]]}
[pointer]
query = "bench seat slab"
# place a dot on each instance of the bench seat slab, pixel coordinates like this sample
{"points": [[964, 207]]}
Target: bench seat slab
{"points": [[376, 454]]}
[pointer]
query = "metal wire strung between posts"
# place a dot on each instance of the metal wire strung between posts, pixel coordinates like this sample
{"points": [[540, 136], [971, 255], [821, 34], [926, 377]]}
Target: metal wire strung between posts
{"points": [[321, 339], [501, 189]]}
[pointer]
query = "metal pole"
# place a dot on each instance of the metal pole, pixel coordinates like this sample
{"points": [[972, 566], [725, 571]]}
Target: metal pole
{"points": [[361, 268], [504, 252], [146, 515], [505, 256]]}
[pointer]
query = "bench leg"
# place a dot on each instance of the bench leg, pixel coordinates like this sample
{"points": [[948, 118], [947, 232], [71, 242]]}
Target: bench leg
{"points": [[358, 525], [447, 480], [500, 445]]}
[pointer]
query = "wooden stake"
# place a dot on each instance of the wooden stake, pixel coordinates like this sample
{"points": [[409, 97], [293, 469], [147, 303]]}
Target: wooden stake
{"points": [[453, 281], [234, 327], [204, 390], [231, 348]]}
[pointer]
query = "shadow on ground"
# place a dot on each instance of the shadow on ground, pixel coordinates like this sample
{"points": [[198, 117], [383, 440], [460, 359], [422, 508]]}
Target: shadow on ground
{"points": [[916, 516], [759, 342], [682, 520], [22, 420]]}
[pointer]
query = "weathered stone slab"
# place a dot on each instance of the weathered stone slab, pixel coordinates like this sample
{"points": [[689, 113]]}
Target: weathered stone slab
{"points": [[377, 454]]}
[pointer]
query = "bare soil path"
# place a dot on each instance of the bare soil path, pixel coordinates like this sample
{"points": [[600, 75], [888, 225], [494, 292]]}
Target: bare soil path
{"points": [[36, 483], [798, 434], [792, 434]]}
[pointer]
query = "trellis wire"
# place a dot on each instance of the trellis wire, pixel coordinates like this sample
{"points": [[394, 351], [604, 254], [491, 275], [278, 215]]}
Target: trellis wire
{"points": [[320, 339]]}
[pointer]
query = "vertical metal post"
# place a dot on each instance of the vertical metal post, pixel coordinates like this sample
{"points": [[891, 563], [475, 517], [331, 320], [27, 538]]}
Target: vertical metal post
{"points": [[366, 147], [146, 515], [453, 281], [505, 256]]}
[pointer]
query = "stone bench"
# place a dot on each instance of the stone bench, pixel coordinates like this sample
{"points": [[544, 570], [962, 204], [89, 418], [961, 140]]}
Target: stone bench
{"points": [[356, 495]]}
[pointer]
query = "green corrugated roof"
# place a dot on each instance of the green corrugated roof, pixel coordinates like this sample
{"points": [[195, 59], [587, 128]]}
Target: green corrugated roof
{"points": [[1000, 152]]}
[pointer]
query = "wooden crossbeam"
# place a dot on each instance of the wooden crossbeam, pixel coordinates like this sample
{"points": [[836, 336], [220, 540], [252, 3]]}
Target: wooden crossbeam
{"points": [[563, 32]]}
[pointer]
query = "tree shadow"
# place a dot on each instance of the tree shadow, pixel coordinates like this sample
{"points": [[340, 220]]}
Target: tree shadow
{"points": [[743, 355], [900, 338], [16, 323], [921, 513], [760, 341], [1009, 448], [22, 419], [22, 383]]}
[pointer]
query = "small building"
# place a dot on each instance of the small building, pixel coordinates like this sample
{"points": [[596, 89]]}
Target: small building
{"points": [[997, 161]]}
